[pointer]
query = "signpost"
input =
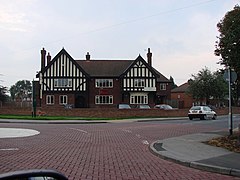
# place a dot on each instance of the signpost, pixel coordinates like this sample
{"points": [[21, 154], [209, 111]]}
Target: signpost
{"points": [[231, 77]]}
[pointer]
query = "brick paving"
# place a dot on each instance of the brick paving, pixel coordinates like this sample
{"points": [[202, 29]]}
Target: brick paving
{"points": [[99, 151]]}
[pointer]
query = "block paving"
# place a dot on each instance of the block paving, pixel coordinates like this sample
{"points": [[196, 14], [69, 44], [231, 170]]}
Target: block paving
{"points": [[99, 151]]}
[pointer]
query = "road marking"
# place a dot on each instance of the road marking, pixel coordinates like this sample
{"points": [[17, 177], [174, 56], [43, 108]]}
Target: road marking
{"points": [[9, 149], [80, 130], [145, 142]]}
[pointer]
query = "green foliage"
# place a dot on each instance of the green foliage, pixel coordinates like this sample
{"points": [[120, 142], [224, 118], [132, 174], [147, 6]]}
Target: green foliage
{"points": [[206, 85], [22, 89], [3, 96], [173, 83], [228, 43], [3, 91]]}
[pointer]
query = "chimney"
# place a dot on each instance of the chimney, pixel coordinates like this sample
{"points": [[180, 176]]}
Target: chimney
{"points": [[149, 57], [48, 58], [43, 58], [88, 56]]}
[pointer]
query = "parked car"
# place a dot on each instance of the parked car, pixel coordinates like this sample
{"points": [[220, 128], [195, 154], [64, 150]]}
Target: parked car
{"points": [[124, 106], [202, 112], [143, 106], [163, 106]]}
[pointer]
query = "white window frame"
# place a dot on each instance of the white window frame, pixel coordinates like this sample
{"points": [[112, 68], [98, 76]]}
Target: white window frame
{"points": [[104, 99], [50, 99], [63, 99], [163, 86], [104, 83], [139, 83], [62, 82], [138, 98]]}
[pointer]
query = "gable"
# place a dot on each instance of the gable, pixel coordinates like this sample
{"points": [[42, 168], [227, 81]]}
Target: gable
{"points": [[139, 68], [139, 77], [63, 73]]}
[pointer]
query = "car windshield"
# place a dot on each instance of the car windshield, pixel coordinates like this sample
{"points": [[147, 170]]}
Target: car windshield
{"points": [[196, 108], [124, 106]]}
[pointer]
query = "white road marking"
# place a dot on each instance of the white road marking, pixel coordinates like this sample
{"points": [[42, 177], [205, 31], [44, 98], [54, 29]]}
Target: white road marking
{"points": [[145, 142], [80, 130], [9, 149]]}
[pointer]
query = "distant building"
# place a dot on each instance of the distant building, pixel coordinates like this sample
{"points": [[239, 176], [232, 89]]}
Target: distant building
{"points": [[99, 83], [180, 94]]}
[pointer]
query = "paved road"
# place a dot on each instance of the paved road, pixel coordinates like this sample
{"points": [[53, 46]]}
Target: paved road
{"points": [[101, 151]]}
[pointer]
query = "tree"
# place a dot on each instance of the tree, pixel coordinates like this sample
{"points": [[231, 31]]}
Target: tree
{"points": [[3, 95], [206, 85], [173, 83], [228, 44], [22, 90]]}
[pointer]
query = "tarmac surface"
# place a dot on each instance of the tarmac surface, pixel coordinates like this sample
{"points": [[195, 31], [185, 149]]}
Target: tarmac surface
{"points": [[189, 150]]}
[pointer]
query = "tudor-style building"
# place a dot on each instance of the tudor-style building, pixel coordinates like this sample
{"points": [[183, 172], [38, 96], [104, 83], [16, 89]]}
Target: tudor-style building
{"points": [[99, 83]]}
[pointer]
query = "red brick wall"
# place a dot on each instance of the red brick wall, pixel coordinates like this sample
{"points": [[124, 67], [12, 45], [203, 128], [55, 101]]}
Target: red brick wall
{"points": [[106, 112], [115, 91]]}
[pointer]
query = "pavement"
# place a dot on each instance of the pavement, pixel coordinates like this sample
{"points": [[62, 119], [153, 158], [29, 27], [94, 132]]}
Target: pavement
{"points": [[189, 150]]}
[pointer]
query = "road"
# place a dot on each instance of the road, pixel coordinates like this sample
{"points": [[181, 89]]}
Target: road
{"points": [[104, 151]]}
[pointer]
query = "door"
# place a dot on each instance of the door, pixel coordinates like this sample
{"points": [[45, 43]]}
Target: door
{"points": [[80, 101]]}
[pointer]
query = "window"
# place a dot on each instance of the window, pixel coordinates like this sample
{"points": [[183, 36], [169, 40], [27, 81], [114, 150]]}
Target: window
{"points": [[139, 83], [163, 86], [104, 83], [50, 99], [63, 83], [104, 99], [138, 98], [63, 99]]}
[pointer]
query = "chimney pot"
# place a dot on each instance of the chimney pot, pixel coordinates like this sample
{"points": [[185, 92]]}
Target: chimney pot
{"points": [[149, 57], [48, 58], [88, 56], [43, 58]]}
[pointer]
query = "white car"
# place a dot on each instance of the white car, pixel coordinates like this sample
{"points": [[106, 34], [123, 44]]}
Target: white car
{"points": [[124, 106], [143, 106], [163, 106], [202, 112]]}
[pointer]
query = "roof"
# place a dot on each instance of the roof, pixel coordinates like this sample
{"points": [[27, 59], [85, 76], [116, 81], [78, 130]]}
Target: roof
{"points": [[111, 68], [182, 88], [101, 68], [161, 77]]}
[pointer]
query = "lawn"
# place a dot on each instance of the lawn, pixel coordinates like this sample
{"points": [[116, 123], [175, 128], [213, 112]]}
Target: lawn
{"points": [[28, 117]]}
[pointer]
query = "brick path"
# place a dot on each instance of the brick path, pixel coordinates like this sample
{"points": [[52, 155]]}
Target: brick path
{"points": [[98, 151]]}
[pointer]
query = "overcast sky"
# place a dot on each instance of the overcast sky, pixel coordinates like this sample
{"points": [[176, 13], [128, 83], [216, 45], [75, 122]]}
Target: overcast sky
{"points": [[180, 33]]}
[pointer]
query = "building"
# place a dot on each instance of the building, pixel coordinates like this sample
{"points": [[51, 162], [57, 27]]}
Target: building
{"points": [[181, 95], [99, 83]]}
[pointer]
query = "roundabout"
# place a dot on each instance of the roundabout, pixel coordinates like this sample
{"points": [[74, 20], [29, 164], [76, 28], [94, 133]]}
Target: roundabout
{"points": [[17, 132]]}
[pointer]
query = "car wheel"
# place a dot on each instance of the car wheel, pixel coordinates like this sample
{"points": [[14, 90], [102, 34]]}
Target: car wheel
{"points": [[214, 117], [190, 118], [204, 117]]}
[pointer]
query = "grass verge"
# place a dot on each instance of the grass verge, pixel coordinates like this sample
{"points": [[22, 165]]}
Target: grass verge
{"points": [[27, 117]]}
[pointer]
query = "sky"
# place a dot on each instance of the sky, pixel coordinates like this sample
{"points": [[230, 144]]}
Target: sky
{"points": [[180, 33]]}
